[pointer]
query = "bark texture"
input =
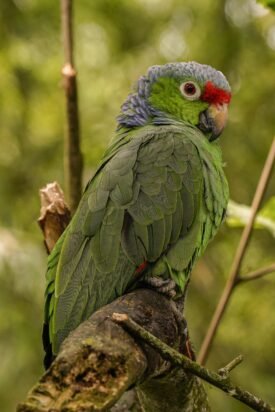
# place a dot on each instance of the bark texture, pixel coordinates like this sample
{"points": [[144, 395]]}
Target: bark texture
{"points": [[99, 361], [73, 155]]}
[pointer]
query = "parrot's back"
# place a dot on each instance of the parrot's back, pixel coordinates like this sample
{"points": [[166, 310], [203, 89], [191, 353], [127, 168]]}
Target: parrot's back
{"points": [[154, 203]]}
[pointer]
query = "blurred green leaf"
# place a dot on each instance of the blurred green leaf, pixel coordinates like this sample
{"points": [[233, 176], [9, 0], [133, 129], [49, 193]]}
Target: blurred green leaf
{"points": [[238, 215], [268, 3], [268, 210]]}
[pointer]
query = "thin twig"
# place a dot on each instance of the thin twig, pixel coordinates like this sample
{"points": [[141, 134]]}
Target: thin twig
{"points": [[177, 359], [224, 372], [256, 274], [235, 269], [73, 156]]}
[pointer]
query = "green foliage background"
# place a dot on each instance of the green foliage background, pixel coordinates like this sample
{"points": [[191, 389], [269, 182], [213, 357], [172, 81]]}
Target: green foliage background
{"points": [[116, 41]]}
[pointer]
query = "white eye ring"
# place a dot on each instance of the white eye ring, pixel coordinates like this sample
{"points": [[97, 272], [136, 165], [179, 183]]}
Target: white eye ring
{"points": [[190, 90]]}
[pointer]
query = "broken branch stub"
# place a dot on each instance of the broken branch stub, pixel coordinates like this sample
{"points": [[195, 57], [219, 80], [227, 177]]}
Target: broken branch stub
{"points": [[54, 214]]}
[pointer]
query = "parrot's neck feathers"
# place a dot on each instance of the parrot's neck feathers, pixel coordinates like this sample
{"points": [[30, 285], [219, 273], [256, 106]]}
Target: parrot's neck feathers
{"points": [[136, 111]]}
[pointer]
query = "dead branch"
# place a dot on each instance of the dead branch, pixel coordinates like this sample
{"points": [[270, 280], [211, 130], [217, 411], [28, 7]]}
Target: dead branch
{"points": [[54, 214], [99, 361]]}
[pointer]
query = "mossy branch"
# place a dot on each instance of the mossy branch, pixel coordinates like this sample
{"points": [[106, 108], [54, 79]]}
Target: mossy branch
{"points": [[99, 361], [219, 380]]}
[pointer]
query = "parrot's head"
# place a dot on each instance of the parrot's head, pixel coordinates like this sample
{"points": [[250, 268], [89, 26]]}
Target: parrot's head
{"points": [[190, 92]]}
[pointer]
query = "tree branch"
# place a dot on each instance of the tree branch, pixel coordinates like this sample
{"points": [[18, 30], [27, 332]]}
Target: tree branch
{"points": [[256, 274], [54, 214], [73, 156], [99, 361], [224, 372], [243, 244], [177, 359]]}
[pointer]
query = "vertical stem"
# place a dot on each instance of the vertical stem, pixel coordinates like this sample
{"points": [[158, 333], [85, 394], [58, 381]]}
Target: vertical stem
{"points": [[73, 157], [235, 269]]}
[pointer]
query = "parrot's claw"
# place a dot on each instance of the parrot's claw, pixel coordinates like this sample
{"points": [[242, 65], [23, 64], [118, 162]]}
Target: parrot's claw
{"points": [[183, 331], [178, 313], [166, 287]]}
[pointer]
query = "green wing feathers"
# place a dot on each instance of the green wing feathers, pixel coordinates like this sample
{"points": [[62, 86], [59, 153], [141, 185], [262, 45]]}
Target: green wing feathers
{"points": [[145, 203]]}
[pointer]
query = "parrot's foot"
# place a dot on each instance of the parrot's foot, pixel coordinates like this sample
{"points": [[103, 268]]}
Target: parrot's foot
{"points": [[166, 287], [180, 319], [187, 350]]}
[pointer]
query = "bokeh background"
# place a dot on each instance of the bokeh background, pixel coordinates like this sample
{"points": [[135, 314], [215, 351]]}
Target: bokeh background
{"points": [[116, 40]]}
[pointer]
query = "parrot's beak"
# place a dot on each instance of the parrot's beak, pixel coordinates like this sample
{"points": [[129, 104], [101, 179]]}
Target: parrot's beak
{"points": [[213, 120]]}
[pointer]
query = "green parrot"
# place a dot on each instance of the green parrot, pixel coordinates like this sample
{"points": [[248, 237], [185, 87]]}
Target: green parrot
{"points": [[157, 198]]}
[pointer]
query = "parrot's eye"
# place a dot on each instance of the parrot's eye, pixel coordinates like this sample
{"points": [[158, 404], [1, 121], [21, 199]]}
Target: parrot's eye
{"points": [[190, 90]]}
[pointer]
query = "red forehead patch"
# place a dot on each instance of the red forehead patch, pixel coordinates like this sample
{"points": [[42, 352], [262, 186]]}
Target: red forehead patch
{"points": [[213, 94]]}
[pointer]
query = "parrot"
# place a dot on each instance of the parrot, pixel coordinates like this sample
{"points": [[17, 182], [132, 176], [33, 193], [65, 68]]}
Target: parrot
{"points": [[157, 198]]}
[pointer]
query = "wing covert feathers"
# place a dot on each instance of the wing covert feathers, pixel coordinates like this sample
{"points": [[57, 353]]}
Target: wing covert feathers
{"points": [[154, 198]]}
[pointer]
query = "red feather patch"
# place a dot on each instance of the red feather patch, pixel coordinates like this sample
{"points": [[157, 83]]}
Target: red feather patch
{"points": [[214, 95], [141, 267]]}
